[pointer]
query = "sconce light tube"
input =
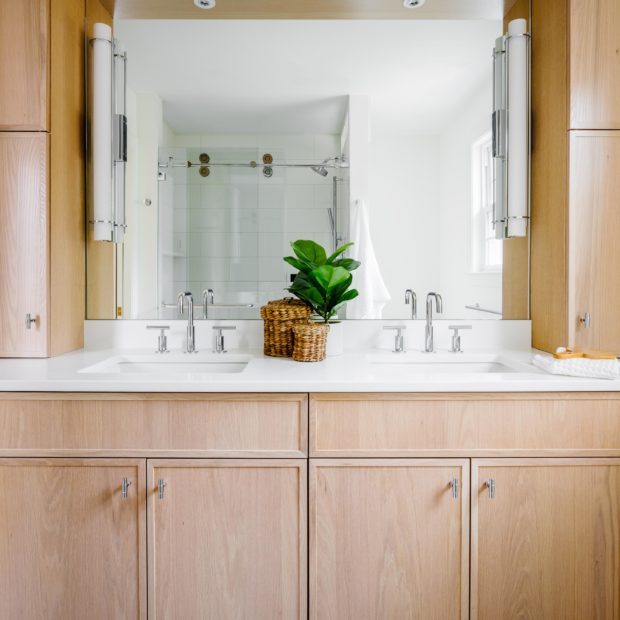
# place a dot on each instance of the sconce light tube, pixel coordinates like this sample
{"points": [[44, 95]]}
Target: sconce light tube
{"points": [[108, 136], [101, 133], [511, 131]]}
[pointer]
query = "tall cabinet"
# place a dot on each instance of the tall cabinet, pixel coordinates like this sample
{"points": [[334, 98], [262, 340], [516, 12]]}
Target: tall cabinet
{"points": [[575, 157], [41, 177]]}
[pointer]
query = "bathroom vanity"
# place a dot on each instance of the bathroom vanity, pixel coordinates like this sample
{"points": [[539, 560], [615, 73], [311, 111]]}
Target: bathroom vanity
{"points": [[333, 504]]}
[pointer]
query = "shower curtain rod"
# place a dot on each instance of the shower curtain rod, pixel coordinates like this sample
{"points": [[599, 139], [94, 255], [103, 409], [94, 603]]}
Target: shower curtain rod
{"points": [[252, 164]]}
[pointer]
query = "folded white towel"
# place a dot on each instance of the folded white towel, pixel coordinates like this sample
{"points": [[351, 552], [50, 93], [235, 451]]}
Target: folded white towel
{"points": [[579, 367]]}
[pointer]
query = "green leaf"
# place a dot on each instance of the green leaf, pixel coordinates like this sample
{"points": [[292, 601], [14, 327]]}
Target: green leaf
{"points": [[338, 252], [348, 263], [327, 278], [301, 266], [309, 252]]}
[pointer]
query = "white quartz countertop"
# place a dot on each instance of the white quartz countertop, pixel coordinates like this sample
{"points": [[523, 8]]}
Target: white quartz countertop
{"points": [[370, 371]]}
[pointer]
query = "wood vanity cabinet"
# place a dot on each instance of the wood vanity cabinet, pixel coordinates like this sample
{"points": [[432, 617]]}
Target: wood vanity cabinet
{"points": [[594, 229], [71, 544], [545, 539], [41, 177], [389, 539], [24, 64], [227, 539]]}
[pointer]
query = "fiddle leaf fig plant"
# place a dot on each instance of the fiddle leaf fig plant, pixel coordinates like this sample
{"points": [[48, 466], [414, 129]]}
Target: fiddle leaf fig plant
{"points": [[323, 282]]}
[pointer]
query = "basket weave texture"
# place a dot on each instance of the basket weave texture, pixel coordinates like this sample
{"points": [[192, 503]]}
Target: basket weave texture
{"points": [[310, 342], [280, 317]]}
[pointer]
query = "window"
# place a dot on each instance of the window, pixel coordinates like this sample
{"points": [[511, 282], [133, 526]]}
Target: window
{"points": [[486, 249]]}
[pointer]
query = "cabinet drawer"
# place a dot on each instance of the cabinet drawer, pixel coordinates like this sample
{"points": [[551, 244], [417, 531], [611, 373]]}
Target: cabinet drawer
{"points": [[582, 424], [216, 425]]}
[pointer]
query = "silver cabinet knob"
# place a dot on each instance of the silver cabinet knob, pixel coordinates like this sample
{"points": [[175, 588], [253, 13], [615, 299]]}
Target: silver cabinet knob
{"points": [[490, 485], [161, 485], [30, 320], [585, 320], [125, 484], [454, 485]]}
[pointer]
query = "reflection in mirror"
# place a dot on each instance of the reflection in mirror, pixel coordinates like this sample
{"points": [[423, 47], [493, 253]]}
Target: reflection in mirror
{"points": [[244, 136]]}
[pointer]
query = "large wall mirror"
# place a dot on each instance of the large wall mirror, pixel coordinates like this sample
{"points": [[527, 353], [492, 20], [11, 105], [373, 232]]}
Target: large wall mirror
{"points": [[246, 135]]}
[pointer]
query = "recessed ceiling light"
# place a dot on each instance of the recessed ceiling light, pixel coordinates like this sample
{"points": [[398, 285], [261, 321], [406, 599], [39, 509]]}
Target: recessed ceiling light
{"points": [[413, 4], [204, 4]]}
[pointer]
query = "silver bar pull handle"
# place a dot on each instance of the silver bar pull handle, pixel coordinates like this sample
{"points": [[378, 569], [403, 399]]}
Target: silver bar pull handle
{"points": [[490, 485], [161, 485], [586, 320], [125, 484], [30, 320], [454, 485]]}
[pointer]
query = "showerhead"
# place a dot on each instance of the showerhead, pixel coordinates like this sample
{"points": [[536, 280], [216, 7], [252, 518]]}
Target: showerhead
{"points": [[322, 170]]}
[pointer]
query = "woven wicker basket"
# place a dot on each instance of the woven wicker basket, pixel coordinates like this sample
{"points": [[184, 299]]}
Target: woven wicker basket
{"points": [[280, 316], [310, 342]]}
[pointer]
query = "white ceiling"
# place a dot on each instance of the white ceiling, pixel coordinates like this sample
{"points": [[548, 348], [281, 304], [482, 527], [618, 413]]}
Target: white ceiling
{"points": [[294, 76]]}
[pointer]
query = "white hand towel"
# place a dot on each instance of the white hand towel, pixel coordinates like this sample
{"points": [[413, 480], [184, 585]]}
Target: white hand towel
{"points": [[579, 367], [367, 279]]}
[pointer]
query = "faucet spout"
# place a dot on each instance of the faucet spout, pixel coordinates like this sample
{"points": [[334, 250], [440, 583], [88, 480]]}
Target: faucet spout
{"points": [[191, 333], [429, 344]]}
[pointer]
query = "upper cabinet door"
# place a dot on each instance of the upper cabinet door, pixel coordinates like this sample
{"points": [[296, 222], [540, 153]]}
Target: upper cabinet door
{"points": [[24, 66], [594, 64], [594, 231], [545, 539], [227, 539], [73, 540], [389, 539], [24, 245]]}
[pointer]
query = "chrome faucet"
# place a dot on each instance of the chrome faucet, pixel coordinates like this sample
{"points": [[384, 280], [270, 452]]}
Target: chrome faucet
{"points": [[191, 334], [412, 298], [219, 337], [399, 341], [208, 297], [429, 345]]}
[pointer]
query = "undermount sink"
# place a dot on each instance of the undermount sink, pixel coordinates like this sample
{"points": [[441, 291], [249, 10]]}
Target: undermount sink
{"points": [[446, 363], [167, 364]]}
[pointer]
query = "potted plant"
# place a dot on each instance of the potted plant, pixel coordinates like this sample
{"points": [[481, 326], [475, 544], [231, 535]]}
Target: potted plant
{"points": [[324, 283]]}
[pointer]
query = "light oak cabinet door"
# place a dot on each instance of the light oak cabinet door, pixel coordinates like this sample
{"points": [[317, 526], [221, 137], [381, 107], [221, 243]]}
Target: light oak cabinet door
{"points": [[24, 66], [71, 546], [546, 539], [24, 244], [594, 234], [594, 64], [389, 539], [227, 539]]}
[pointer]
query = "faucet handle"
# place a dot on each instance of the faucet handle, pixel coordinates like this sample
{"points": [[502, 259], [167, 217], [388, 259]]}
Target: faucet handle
{"points": [[456, 338], [219, 337], [399, 342], [162, 340]]}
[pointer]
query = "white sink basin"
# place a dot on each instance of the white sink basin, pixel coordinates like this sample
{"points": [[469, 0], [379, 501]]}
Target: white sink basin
{"points": [[167, 364], [445, 363]]}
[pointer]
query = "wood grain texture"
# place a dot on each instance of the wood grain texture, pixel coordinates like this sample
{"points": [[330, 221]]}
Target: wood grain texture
{"points": [[24, 244], [594, 64], [163, 425], [549, 211], [100, 256], [67, 167], [388, 540], [357, 425], [299, 9], [548, 544], [70, 546], [24, 65], [594, 251], [228, 540]]}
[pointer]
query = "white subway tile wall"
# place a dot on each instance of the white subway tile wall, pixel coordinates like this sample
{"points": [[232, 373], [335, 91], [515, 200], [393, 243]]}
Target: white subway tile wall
{"points": [[232, 228]]}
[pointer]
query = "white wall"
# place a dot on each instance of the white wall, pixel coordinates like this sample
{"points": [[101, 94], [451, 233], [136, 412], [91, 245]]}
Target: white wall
{"points": [[458, 283], [404, 215]]}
